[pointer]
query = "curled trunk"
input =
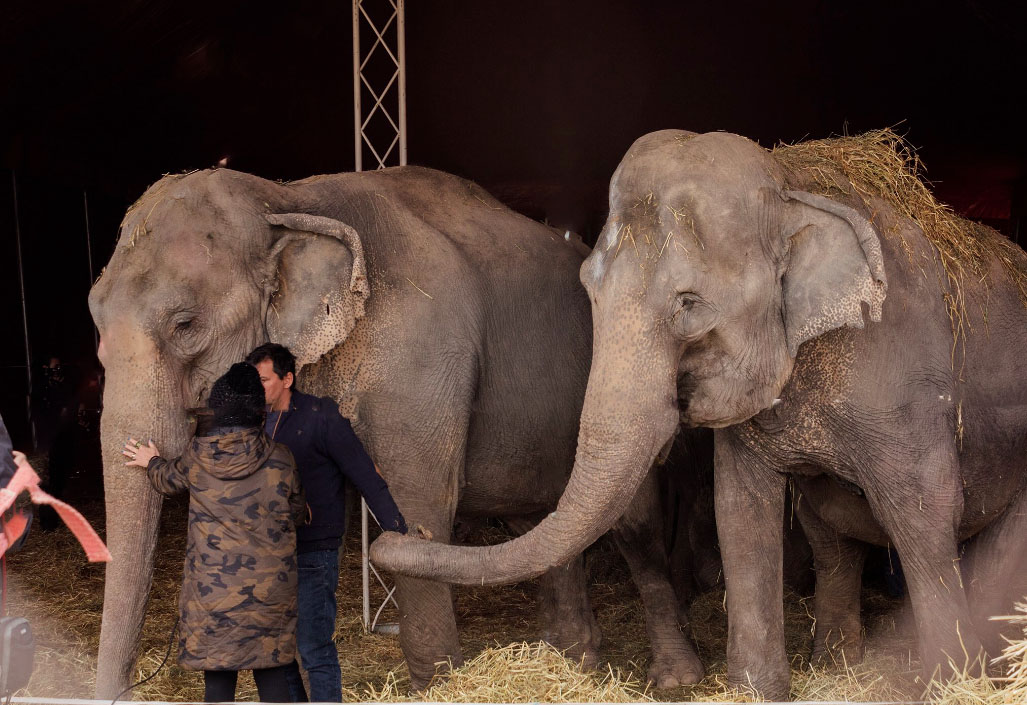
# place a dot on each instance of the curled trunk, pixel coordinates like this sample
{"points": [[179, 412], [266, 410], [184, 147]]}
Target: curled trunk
{"points": [[630, 413]]}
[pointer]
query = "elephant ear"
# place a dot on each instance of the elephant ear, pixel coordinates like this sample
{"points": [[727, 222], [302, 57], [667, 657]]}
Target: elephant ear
{"points": [[834, 265], [317, 286]]}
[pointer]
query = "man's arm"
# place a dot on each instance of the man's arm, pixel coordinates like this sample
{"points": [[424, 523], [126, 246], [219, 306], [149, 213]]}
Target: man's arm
{"points": [[347, 452]]}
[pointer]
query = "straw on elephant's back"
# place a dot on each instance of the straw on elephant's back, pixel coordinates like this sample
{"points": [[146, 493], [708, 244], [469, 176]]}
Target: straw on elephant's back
{"points": [[881, 164]]}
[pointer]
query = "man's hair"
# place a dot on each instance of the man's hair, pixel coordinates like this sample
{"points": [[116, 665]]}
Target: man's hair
{"points": [[282, 361]]}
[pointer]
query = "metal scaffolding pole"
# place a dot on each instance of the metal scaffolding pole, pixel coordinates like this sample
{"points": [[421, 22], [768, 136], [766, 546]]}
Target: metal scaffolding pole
{"points": [[401, 33], [382, 145], [24, 310], [89, 259], [358, 151]]}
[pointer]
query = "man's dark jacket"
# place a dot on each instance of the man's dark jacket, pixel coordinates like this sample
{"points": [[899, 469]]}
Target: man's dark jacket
{"points": [[326, 451]]}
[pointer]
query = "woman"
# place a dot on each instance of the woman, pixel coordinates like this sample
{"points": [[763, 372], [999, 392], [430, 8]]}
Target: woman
{"points": [[238, 604]]}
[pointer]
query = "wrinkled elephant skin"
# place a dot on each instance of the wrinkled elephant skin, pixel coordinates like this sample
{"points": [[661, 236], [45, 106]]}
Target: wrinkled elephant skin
{"points": [[812, 331], [453, 332]]}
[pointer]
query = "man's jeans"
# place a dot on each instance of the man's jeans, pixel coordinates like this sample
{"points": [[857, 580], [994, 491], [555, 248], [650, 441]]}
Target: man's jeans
{"points": [[318, 578]]}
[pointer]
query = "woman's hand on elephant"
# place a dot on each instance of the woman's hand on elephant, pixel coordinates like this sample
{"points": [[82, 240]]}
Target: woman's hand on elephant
{"points": [[139, 455]]}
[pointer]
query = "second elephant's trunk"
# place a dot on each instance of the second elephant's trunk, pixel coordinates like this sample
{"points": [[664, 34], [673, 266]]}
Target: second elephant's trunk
{"points": [[630, 413]]}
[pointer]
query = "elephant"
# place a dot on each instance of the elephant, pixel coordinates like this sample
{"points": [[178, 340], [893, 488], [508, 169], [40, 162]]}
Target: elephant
{"points": [[452, 331], [835, 327], [690, 530]]}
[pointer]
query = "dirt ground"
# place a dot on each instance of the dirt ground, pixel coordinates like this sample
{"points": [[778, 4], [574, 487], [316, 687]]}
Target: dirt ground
{"points": [[61, 594]]}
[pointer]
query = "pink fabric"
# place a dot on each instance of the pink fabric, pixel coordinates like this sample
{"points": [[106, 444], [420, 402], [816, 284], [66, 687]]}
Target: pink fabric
{"points": [[27, 479]]}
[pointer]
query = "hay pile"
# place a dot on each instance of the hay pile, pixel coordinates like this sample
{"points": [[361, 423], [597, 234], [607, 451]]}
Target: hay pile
{"points": [[62, 595], [880, 164], [518, 673], [1008, 690]]}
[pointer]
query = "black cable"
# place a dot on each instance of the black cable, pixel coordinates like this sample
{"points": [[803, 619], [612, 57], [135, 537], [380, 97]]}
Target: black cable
{"points": [[171, 641]]}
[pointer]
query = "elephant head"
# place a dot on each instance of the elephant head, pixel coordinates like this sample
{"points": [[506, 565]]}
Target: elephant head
{"points": [[709, 274], [207, 266]]}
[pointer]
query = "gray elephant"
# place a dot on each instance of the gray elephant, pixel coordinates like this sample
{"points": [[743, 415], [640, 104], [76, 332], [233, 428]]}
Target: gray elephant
{"points": [[730, 289], [690, 529], [452, 332]]}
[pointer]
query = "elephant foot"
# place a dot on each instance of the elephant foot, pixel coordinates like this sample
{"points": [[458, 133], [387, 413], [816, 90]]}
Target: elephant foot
{"points": [[579, 643], [422, 675], [775, 690], [836, 651], [586, 657], [671, 673], [566, 616]]}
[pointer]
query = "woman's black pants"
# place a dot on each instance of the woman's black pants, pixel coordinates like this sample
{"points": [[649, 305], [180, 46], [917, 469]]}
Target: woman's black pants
{"points": [[272, 687]]}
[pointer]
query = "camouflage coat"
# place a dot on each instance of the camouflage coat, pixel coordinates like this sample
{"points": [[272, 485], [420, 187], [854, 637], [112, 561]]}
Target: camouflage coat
{"points": [[238, 602]]}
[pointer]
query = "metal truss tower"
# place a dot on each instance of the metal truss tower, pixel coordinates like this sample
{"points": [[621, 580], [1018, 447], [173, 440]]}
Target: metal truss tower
{"points": [[379, 132], [379, 74]]}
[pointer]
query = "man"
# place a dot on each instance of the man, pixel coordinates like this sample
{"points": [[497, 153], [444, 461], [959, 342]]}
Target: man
{"points": [[326, 451]]}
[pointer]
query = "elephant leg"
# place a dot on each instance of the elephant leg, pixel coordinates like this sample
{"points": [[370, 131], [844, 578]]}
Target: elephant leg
{"points": [[638, 535], [707, 569], [566, 615], [427, 620], [565, 611], [423, 468], [995, 566], [427, 629], [700, 520], [680, 556], [749, 505], [838, 562], [919, 502]]}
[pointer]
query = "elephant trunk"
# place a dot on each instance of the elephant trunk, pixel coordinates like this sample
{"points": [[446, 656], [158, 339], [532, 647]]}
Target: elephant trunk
{"points": [[630, 413], [139, 401]]}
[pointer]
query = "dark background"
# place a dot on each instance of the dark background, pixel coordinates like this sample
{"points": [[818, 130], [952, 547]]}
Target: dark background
{"points": [[535, 100]]}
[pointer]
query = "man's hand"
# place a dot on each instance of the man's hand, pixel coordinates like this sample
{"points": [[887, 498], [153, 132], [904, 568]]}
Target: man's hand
{"points": [[422, 533]]}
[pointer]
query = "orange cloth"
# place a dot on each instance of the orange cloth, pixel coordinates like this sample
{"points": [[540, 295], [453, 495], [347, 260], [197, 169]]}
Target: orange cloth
{"points": [[27, 479]]}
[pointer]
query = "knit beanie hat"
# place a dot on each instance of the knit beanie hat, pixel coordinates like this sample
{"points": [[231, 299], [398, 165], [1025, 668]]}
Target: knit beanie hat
{"points": [[237, 397]]}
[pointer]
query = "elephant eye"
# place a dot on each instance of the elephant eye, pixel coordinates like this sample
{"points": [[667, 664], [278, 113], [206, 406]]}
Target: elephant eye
{"points": [[685, 301], [186, 335], [693, 316], [184, 326]]}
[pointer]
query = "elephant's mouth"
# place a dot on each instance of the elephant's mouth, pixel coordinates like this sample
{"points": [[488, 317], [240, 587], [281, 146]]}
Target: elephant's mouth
{"points": [[698, 408], [687, 384]]}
